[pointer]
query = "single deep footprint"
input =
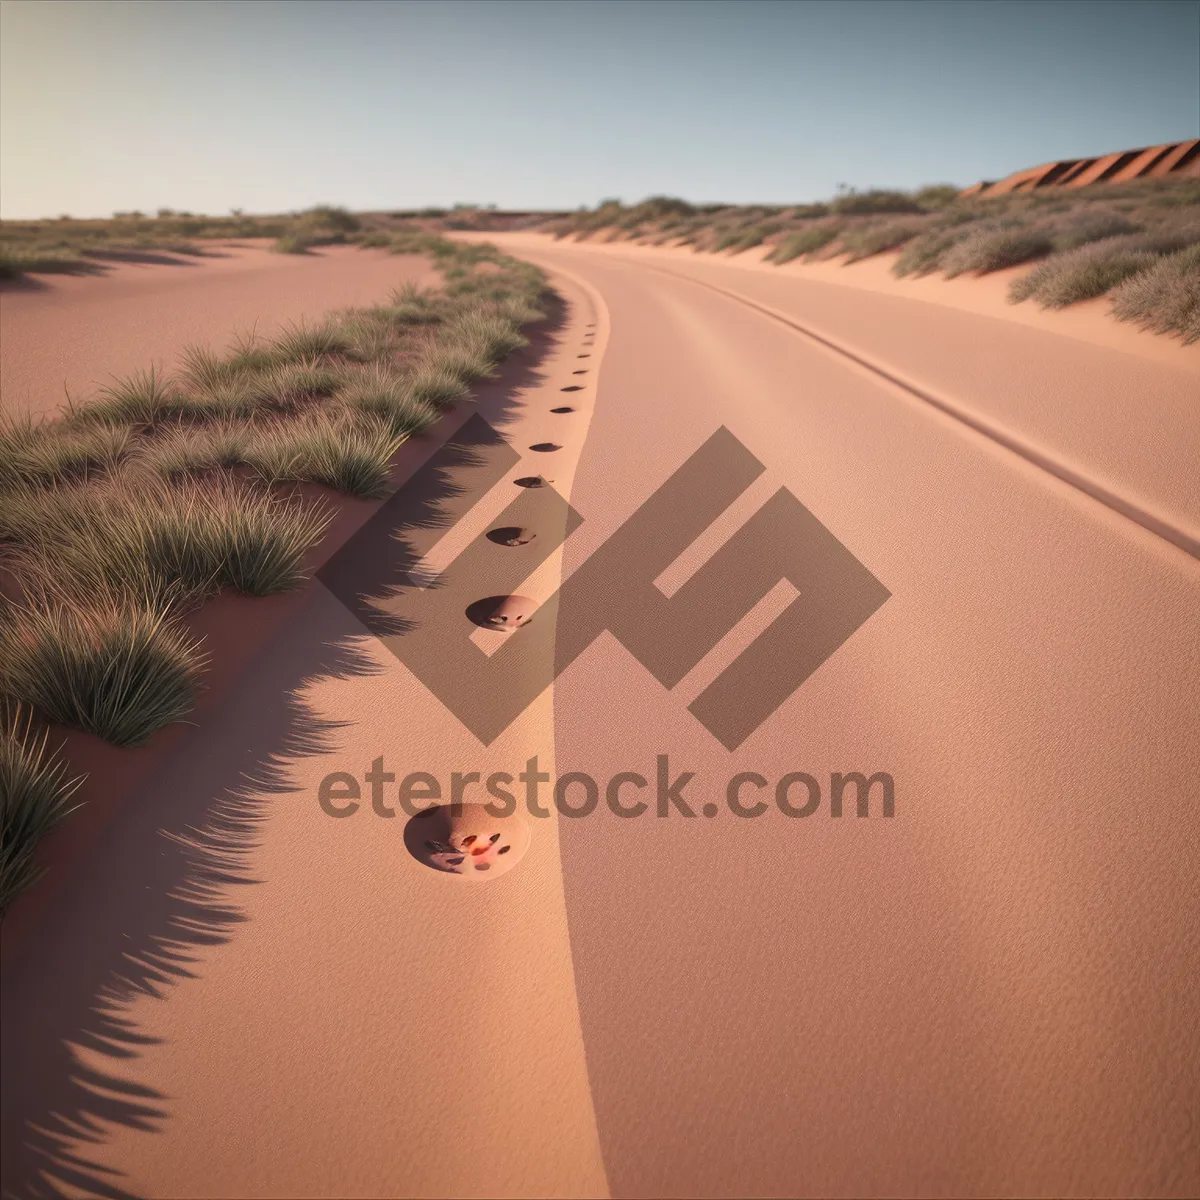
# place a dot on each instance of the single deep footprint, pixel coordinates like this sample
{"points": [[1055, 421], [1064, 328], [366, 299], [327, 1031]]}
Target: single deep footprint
{"points": [[502, 613], [531, 481], [466, 840], [545, 447], [574, 387], [510, 535], [564, 408]]}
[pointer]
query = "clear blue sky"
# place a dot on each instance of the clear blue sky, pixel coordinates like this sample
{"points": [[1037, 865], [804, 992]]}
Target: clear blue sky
{"points": [[556, 103]]}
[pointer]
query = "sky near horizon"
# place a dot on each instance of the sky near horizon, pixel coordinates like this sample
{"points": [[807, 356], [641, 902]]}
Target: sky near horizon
{"points": [[275, 106]]}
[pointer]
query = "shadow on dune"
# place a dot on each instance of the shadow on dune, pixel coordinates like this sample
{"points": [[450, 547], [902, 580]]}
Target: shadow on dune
{"points": [[154, 258], [32, 282], [146, 879]]}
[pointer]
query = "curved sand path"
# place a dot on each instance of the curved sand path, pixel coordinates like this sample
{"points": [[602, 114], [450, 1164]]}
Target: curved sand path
{"points": [[991, 993], [65, 334]]}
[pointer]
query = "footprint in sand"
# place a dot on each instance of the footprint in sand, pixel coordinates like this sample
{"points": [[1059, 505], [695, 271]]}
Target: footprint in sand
{"points": [[465, 840]]}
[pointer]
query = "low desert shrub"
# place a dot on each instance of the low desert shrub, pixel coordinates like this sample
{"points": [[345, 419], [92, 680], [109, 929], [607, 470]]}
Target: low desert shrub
{"points": [[1090, 270], [293, 243], [1076, 229], [806, 242], [1165, 298], [983, 250], [876, 200], [875, 239]]}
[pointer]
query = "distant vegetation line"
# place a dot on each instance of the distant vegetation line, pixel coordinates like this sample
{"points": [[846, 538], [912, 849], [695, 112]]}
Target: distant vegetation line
{"points": [[139, 503], [80, 247], [1138, 243]]}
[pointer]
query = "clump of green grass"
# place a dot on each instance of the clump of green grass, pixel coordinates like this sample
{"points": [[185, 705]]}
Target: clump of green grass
{"points": [[435, 385], [806, 243], [1090, 270], [299, 343], [876, 200], [119, 672], [143, 542], [38, 454], [351, 456], [17, 262], [493, 335], [293, 384], [189, 451], [144, 398], [412, 305], [386, 395], [1165, 298], [739, 240], [35, 794]]}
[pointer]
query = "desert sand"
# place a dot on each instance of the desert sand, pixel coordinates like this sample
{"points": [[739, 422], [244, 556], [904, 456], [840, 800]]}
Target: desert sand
{"points": [[71, 334], [989, 993], [384, 1031]]}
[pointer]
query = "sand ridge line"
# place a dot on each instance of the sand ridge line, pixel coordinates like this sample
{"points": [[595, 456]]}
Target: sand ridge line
{"points": [[983, 295]]}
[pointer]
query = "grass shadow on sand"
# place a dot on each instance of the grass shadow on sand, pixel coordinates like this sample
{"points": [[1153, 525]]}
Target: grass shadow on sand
{"points": [[155, 881]]}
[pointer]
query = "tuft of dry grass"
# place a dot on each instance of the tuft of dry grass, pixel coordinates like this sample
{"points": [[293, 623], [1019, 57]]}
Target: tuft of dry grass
{"points": [[165, 489], [117, 671], [35, 794]]}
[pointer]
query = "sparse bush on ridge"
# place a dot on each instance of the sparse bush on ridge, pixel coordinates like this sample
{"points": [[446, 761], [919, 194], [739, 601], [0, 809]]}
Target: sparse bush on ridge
{"points": [[1089, 270], [877, 200], [935, 229], [806, 243], [1165, 298], [163, 489], [983, 250], [862, 243], [293, 243]]}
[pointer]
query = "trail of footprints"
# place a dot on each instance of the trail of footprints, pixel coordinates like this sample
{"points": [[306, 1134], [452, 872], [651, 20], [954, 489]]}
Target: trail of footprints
{"points": [[507, 613], [462, 840]]}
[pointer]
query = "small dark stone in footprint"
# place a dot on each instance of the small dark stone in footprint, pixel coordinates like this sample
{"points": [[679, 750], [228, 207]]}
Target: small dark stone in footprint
{"points": [[530, 481], [563, 409], [511, 535], [545, 447]]}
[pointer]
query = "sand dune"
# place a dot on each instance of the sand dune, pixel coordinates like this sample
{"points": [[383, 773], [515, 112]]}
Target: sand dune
{"points": [[988, 993], [73, 333]]}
